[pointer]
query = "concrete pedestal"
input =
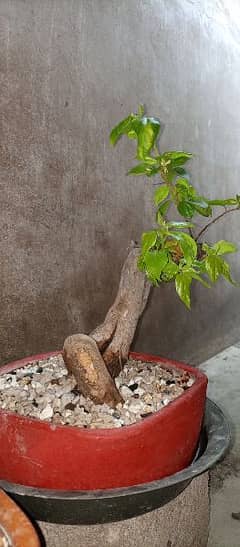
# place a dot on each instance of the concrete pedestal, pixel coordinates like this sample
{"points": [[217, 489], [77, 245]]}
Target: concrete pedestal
{"points": [[183, 522]]}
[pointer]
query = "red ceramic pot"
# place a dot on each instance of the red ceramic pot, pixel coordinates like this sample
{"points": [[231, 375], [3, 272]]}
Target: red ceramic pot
{"points": [[37, 453]]}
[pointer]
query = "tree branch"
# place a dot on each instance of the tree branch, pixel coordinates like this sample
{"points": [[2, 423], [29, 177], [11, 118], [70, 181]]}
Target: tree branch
{"points": [[205, 228]]}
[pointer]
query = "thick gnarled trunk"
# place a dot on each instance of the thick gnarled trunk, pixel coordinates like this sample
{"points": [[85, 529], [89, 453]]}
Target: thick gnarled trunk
{"points": [[95, 360]]}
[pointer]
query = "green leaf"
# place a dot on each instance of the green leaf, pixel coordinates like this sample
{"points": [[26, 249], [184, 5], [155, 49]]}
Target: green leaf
{"points": [[151, 170], [187, 244], [189, 202], [223, 202], [180, 170], [180, 225], [213, 265], [196, 276], [146, 168], [200, 202], [139, 169], [146, 135], [183, 283], [201, 206], [149, 160], [162, 210], [224, 247], [186, 209], [141, 110], [132, 135], [183, 185], [177, 158], [227, 274], [186, 198], [170, 271], [206, 248], [160, 194], [203, 211], [141, 263], [122, 128], [155, 262], [148, 241]]}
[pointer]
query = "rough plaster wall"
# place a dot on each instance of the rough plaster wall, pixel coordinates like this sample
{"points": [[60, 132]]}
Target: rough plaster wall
{"points": [[70, 69]]}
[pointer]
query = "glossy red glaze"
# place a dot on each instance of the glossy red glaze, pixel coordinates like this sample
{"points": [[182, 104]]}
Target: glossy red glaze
{"points": [[36, 453]]}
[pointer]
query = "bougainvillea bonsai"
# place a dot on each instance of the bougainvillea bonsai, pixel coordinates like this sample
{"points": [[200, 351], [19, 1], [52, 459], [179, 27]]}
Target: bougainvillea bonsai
{"points": [[161, 438], [173, 251]]}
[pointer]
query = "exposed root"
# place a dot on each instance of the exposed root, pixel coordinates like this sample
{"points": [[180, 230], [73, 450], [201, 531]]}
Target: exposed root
{"points": [[83, 359]]}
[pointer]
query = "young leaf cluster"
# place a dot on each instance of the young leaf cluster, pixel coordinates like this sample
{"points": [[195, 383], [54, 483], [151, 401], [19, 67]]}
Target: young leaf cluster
{"points": [[173, 251]]}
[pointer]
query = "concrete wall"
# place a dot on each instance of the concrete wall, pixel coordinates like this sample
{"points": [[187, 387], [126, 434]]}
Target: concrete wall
{"points": [[70, 69]]}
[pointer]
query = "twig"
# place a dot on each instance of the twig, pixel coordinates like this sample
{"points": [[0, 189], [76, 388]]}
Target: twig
{"points": [[215, 220], [190, 232]]}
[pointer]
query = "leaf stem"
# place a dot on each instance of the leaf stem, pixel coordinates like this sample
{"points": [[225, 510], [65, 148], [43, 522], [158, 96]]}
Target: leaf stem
{"points": [[205, 228]]}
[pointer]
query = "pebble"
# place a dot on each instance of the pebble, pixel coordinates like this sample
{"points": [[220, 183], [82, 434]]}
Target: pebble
{"points": [[190, 382], [139, 391], [136, 406], [47, 412], [126, 392], [44, 390], [148, 398]]}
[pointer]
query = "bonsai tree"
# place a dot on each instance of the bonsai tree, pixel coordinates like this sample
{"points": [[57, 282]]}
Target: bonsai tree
{"points": [[173, 251]]}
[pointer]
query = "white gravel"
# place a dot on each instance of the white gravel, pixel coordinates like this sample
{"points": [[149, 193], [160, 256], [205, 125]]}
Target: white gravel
{"points": [[44, 390]]}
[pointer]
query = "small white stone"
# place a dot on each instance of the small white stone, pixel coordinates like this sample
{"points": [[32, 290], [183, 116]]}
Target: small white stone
{"points": [[135, 406], [139, 391], [66, 398], [45, 377], [56, 404], [126, 392], [137, 379], [46, 413], [190, 382], [148, 399], [37, 384], [14, 381], [22, 394], [59, 391]]}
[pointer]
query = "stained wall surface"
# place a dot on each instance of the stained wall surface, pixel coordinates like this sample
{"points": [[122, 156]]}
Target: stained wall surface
{"points": [[70, 69]]}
